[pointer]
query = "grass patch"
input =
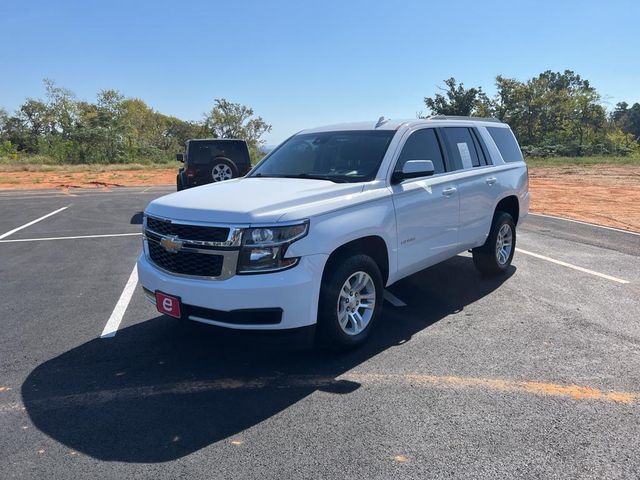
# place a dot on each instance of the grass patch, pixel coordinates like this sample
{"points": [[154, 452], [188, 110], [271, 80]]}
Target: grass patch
{"points": [[9, 180], [585, 161], [34, 167], [32, 164]]}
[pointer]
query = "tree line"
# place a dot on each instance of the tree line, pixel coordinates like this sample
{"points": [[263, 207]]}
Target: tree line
{"points": [[116, 129], [552, 114]]}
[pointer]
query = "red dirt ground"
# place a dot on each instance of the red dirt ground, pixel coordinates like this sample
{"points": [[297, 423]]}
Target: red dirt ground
{"points": [[603, 194]]}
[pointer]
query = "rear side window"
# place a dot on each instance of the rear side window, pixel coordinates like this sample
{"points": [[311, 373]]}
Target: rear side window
{"points": [[506, 143], [422, 145], [462, 147], [481, 148]]}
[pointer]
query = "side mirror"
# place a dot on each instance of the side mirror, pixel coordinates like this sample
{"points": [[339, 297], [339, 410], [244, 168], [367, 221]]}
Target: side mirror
{"points": [[180, 157], [414, 169]]}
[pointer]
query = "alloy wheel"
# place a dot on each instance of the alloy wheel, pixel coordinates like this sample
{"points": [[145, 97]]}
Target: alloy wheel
{"points": [[221, 172], [504, 244], [356, 303]]}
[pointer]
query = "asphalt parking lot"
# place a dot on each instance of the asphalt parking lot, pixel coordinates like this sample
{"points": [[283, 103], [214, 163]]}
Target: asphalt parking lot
{"points": [[534, 375]]}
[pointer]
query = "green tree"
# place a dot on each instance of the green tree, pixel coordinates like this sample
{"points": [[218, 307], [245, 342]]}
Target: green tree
{"points": [[622, 108], [458, 100], [554, 112], [4, 118], [233, 120], [111, 126], [36, 119], [628, 118], [180, 131], [62, 108]]}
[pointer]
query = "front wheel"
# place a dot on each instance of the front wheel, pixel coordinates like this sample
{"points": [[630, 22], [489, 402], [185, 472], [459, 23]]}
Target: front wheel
{"points": [[350, 302], [494, 257]]}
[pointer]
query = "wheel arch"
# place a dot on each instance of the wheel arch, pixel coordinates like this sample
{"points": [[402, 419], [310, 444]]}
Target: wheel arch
{"points": [[373, 246], [510, 205]]}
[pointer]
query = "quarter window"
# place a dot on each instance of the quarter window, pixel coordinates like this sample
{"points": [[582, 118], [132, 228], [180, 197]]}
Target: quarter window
{"points": [[506, 143], [461, 147], [422, 145]]}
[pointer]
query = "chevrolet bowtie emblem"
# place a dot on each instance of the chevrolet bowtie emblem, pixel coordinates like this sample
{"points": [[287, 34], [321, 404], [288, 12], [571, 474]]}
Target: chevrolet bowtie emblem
{"points": [[171, 244]]}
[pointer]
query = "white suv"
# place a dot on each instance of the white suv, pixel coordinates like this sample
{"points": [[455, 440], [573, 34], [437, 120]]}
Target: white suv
{"points": [[322, 224]]}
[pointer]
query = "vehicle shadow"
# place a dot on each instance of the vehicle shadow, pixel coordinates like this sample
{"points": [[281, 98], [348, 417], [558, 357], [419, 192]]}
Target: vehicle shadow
{"points": [[162, 389]]}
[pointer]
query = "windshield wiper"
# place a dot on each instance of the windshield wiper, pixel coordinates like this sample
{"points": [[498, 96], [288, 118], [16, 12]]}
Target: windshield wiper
{"points": [[265, 176], [309, 176], [331, 178]]}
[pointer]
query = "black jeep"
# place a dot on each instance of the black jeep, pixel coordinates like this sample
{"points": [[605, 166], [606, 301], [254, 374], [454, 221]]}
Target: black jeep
{"points": [[212, 160]]}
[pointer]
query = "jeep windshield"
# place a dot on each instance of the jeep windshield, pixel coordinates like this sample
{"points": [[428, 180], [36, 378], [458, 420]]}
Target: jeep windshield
{"points": [[344, 156]]}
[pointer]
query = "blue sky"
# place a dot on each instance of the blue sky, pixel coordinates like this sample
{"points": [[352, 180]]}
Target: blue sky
{"points": [[300, 63]]}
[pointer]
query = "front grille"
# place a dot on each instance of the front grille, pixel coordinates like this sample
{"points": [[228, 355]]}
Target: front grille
{"points": [[188, 232], [186, 263]]}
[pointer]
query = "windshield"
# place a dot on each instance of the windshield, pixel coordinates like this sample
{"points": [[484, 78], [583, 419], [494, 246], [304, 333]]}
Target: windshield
{"points": [[351, 156]]}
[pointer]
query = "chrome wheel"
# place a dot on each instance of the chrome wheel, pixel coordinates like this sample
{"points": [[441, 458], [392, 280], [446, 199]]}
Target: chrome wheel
{"points": [[221, 172], [356, 303], [504, 244]]}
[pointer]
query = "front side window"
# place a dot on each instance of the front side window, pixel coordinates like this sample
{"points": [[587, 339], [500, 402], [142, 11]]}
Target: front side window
{"points": [[422, 145], [341, 156], [461, 147]]}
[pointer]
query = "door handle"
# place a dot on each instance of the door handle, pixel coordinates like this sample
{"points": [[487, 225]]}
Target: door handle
{"points": [[491, 180], [447, 192]]}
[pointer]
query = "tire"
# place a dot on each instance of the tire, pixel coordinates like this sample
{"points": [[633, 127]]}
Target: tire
{"points": [[179, 183], [494, 258], [342, 331], [223, 169]]}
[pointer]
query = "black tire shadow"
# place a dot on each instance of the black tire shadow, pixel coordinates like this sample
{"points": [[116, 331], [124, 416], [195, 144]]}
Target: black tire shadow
{"points": [[162, 389]]}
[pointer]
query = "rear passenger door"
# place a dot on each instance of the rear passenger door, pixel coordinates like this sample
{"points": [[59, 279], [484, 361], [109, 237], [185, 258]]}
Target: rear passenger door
{"points": [[470, 158], [426, 208]]}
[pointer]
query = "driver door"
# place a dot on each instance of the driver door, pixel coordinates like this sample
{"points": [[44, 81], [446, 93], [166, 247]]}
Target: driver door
{"points": [[427, 209]]}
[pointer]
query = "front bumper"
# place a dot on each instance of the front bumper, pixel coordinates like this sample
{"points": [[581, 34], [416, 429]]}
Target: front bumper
{"points": [[296, 291], [524, 205]]}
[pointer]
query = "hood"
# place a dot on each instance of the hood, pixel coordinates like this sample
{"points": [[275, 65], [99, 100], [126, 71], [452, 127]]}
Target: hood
{"points": [[254, 200]]}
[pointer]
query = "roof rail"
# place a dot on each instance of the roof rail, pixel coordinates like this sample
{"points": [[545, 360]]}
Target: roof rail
{"points": [[462, 117]]}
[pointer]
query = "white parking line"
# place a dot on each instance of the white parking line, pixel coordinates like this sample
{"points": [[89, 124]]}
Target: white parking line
{"points": [[113, 323], [106, 235], [393, 300], [574, 267], [10, 232], [585, 223]]}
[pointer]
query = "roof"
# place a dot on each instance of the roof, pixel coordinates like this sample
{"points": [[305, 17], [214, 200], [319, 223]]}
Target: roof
{"points": [[371, 125], [215, 140], [396, 124]]}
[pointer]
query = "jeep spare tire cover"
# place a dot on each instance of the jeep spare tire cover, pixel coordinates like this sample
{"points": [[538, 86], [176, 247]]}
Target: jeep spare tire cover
{"points": [[223, 169]]}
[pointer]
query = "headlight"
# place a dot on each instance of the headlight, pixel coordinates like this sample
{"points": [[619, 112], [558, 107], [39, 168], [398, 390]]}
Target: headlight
{"points": [[264, 248]]}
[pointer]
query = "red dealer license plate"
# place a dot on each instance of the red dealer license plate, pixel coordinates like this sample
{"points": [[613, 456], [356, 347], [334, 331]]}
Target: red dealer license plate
{"points": [[168, 305]]}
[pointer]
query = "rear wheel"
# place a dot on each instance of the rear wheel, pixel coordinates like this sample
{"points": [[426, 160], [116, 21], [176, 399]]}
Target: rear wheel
{"points": [[350, 301], [223, 169], [495, 256]]}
